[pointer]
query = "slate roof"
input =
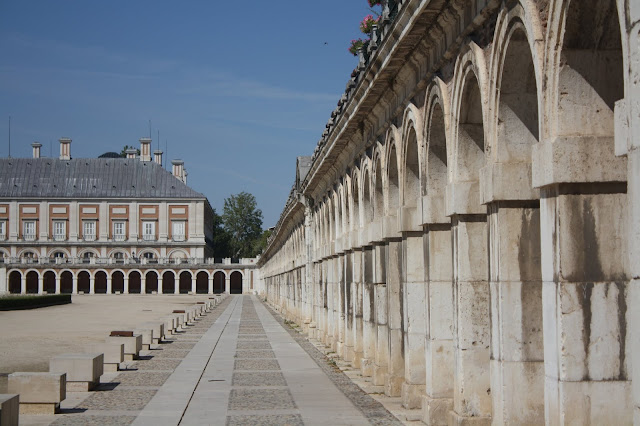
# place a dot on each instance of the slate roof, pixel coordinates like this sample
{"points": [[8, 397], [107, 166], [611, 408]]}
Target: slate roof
{"points": [[89, 178]]}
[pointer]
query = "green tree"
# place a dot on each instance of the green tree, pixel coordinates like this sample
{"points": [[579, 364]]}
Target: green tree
{"points": [[261, 242], [243, 222], [221, 238]]}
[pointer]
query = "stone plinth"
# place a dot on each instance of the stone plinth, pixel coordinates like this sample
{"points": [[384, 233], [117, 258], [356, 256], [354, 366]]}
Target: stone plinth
{"points": [[132, 345], [113, 355], [83, 370], [158, 331], [147, 336], [9, 409], [40, 393]]}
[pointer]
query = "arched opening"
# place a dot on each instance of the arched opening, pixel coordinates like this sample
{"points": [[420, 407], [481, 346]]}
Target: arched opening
{"points": [[118, 257], [87, 256], [30, 257], [394, 191], [135, 282], [49, 282], [150, 282], [436, 175], [236, 283], [355, 211], [66, 282], [367, 207], [202, 283], [84, 282], [218, 282], [150, 257], [591, 72], [15, 282], [117, 282], [32, 282], [378, 196], [168, 282], [411, 193], [100, 282], [470, 132], [185, 282]]}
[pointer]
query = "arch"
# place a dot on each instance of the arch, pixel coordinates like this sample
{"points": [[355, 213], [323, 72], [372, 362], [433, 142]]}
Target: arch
{"points": [[219, 282], [66, 282], [168, 282], [32, 279], [185, 282], [584, 69], [355, 201], [151, 282], [178, 256], [100, 282], [28, 253], [411, 149], [469, 132], [15, 282], [378, 191], [49, 282], [87, 254], [392, 175], [436, 129], [84, 282], [117, 282], [52, 252], [235, 284], [202, 282], [135, 282]]}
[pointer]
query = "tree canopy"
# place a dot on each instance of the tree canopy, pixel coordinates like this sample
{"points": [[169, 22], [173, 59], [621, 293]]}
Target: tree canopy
{"points": [[242, 221]]}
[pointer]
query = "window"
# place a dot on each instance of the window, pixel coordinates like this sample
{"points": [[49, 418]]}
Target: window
{"points": [[87, 256], [29, 230], [89, 230], [150, 257], [119, 233], [119, 257], [59, 230], [3, 230], [149, 231], [30, 257], [177, 230]]}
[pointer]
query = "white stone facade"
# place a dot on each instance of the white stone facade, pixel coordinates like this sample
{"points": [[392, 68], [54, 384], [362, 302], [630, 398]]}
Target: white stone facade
{"points": [[468, 231]]}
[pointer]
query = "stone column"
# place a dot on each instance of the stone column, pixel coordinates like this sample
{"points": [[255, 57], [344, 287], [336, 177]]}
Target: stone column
{"points": [[126, 285], [382, 324], [74, 284], [439, 322], [356, 301], [517, 352], [414, 319], [109, 289], [57, 290], [328, 328], [472, 330], [23, 284], [92, 285], [227, 285], [40, 284], [210, 285], [369, 327], [395, 318], [585, 300], [344, 325], [193, 284]]}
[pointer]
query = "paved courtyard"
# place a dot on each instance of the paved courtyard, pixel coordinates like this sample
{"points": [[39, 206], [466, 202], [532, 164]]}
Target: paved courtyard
{"points": [[238, 365]]}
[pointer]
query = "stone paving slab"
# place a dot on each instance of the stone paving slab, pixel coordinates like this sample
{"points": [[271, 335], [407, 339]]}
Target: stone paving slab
{"points": [[255, 354], [268, 420], [258, 379], [261, 399], [256, 364]]}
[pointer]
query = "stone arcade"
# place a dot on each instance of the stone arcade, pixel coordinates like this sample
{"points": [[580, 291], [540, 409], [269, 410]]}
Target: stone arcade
{"points": [[468, 228]]}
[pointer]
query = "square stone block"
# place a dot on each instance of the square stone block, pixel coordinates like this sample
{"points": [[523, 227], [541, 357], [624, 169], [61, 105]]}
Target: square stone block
{"points": [[440, 313], [113, 351], [439, 376], [9, 409], [147, 336], [83, 370], [435, 411], [472, 383], [39, 388], [158, 330], [473, 314], [132, 345], [517, 390]]}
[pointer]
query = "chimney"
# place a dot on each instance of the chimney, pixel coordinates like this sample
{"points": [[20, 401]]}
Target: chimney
{"points": [[131, 153], [178, 169], [145, 149], [36, 149], [65, 148], [158, 156], [185, 176]]}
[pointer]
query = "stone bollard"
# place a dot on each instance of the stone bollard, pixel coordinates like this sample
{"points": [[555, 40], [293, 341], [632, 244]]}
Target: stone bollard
{"points": [[9, 409], [169, 325], [83, 370], [132, 343], [158, 331], [40, 393], [182, 318], [147, 336], [113, 355]]}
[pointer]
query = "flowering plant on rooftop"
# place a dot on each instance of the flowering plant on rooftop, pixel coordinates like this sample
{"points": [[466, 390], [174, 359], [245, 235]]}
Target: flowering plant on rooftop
{"points": [[355, 45], [366, 26]]}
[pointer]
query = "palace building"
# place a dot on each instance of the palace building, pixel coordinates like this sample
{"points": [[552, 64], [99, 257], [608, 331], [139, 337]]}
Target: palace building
{"points": [[108, 225]]}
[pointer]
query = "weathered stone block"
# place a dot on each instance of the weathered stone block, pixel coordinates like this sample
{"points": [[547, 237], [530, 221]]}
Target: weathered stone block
{"points": [[473, 315], [435, 411], [472, 384], [40, 393], [132, 345], [440, 310], [83, 370], [9, 409], [439, 371], [113, 354], [470, 245], [517, 390], [147, 336]]}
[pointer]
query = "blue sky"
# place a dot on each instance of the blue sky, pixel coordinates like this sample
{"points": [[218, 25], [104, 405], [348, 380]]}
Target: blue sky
{"points": [[236, 89]]}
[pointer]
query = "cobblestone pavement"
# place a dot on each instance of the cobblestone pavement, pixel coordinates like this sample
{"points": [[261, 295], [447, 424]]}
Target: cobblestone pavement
{"points": [[257, 371]]}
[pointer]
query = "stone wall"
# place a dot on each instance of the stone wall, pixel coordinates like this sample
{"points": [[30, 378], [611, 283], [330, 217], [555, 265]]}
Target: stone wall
{"points": [[468, 231]]}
